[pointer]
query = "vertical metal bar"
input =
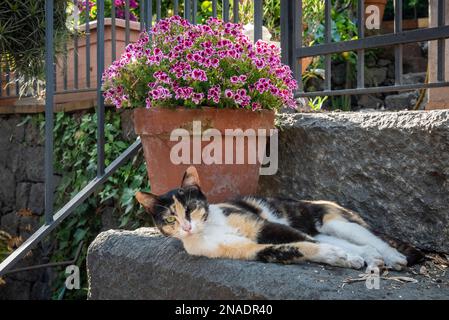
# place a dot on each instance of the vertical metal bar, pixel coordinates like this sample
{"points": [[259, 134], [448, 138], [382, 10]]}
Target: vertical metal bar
{"points": [[327, 39], [158, 10], [296, 18], [441, 42], [87, 45], [113, 33], [361, 35], [187, 10], [225, 10], [49, 61], [398, 48], [8, 78], [235, 11], [142, 15], [258, 19], [54, 78], [285, 33], [195, 11], [214, 8], [17, 82], [149, 14], [1, 77], [75, 46], [176, 7], [100, 99], [64, 66], [127, 22]]}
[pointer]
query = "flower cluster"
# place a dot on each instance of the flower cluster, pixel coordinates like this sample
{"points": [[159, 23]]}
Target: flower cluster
{"points": [[215, 64]]}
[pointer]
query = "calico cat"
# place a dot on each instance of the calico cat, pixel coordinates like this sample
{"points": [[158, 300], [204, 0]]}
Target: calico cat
{"points": [[271, 229]]}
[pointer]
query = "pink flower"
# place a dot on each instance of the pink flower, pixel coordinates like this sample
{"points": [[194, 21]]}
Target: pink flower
{"points": [[198, 74], [229, 94]]}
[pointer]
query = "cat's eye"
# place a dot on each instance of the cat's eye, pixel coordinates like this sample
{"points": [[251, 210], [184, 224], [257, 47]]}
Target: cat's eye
{"points": [[170, 219]]}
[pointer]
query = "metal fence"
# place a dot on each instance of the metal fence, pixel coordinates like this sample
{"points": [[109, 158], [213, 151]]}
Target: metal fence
{"points": [[292, 51]]}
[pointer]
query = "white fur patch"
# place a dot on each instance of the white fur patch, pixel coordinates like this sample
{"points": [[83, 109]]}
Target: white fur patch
{"points": [[359, 235]]}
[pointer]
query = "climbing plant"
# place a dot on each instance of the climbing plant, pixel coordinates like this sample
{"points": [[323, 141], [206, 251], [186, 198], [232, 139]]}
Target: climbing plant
{"points": [[75, 164]]}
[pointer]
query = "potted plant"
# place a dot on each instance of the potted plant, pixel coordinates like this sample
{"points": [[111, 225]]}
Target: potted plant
{"points": [[179, 75]]}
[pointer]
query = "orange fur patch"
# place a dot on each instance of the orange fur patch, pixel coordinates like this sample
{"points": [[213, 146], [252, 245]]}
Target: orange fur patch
{"points": [[247, 251], [245, 225]]}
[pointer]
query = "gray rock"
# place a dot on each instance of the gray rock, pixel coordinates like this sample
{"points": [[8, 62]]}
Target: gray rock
{"points": [[375, 76], [391, 167], [10, 223], [413, 78], [36, 203], [143, 265], [369, 101], [33, 160], [7, 187], [401, 101], [383, 62], [22, 195]]}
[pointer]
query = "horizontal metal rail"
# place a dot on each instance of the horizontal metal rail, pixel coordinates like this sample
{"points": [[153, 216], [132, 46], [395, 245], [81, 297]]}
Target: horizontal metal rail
{"points": [[67, 209], [368, 90], [404, 37]]}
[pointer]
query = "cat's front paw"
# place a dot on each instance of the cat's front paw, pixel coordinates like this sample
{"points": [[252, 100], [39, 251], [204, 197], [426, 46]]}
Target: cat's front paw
{"points": [[338, 257], [395, 260]]}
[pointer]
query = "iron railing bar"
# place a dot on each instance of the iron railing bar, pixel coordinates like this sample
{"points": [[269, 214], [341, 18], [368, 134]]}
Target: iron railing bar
{"points": [[385, 40], [142, 15], [398, 65], [8, 79], [297, 27], [176, 8], [64, 66], [150, 14], [258, 20], [355, 91], [158, 10], [127, 27], [361, 52], [100, 98], [75, 45], [441, 42], [235, 11], [187, 10], [225, 10], [49, 122], [113, 33], [68, 208], [195, 11], [17, 82], [327, 39], [1, 78], [51, 264], [87, 44], [214, 8]]}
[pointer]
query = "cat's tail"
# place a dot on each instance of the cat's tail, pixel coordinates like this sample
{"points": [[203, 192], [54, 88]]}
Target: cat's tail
{"points": [[413, 254]]}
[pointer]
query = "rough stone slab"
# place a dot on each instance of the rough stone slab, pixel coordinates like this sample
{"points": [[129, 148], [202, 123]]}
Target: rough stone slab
{"points": [[391, 167], [142, 264]]}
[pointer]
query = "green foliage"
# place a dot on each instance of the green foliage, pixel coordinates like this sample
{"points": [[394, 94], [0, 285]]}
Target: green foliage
{"points": [[316, 103], [22, 35], [75, 161], [412, 9]]}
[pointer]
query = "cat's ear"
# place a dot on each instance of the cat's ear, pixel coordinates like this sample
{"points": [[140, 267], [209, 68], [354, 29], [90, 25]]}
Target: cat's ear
{"points": [[147, 200], [190, 178]]}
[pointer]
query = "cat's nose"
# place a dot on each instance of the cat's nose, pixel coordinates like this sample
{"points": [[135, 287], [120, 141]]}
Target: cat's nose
{"points": [[187, 227]]}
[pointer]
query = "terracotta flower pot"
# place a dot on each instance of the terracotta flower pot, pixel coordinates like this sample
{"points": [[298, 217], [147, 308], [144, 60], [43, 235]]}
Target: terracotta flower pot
{"points": [[218, 181]]}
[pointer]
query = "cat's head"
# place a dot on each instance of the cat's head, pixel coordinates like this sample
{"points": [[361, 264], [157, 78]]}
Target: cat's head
{"points": [[181, 212]]}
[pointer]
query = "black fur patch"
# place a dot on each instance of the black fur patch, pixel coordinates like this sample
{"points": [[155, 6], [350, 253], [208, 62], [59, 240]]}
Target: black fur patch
{"points": [[278, 233], [282, 254]]}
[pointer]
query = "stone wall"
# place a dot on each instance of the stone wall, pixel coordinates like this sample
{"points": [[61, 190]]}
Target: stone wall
{"points": [[22, 201], [391, 167]]}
